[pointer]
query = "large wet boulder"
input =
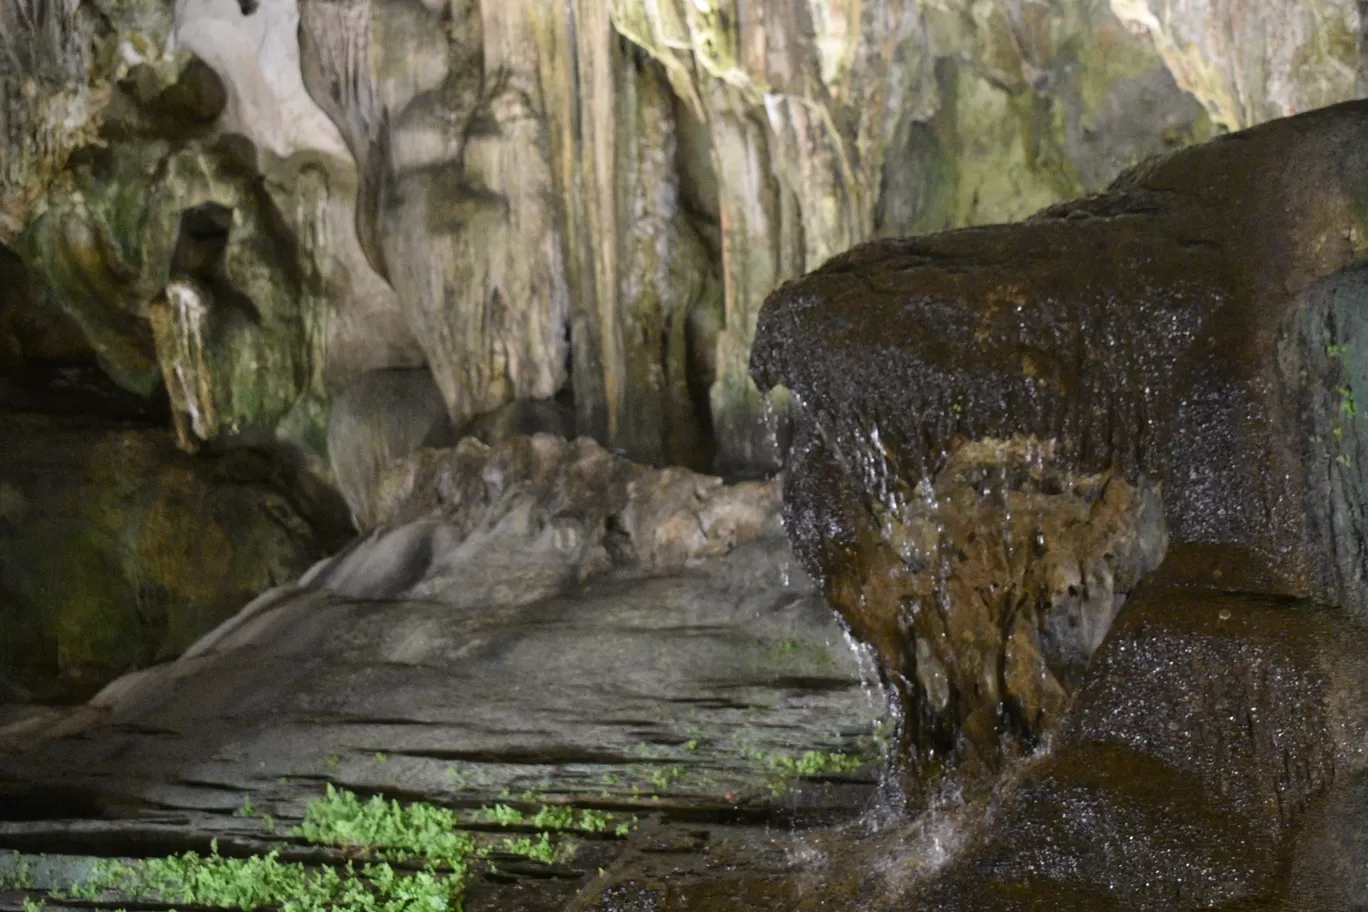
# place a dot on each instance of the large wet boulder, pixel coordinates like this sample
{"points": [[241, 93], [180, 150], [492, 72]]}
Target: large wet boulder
{"points": [[117, 550], [1192, 331]]}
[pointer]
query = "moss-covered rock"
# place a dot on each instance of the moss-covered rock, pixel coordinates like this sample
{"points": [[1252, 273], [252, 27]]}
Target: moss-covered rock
{"points": [[117, 551]]}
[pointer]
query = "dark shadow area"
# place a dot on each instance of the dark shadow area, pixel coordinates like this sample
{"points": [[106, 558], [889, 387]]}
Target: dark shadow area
{"points": [[46, 364]]}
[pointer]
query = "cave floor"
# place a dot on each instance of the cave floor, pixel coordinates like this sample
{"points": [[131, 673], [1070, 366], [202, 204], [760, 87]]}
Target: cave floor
{"points": [[682, 702]]}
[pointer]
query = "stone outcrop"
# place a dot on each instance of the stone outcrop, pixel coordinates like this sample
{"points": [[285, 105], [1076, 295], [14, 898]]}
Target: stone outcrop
{"points": [[1007, 568], [1190, 336], [379, 418], [1213, 783], [1246, 64], [664, 703], [534, 516], [1214, 760], [716, 155], [124, 122]]}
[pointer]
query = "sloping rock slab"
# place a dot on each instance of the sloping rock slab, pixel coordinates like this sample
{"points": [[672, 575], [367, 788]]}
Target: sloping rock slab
{"points": [[665, 697]]}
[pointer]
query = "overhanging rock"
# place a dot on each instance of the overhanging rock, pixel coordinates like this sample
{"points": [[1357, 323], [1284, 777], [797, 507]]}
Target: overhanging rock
{"points": [[1194, 332]]}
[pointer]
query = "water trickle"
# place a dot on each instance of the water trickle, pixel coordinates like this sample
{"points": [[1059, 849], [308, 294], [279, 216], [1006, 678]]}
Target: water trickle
{"points": [[992, 583], [183, 322]]}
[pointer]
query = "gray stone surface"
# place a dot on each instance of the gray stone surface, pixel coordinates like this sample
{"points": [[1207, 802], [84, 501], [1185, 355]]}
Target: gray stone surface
{"points": [[380, 417], [664, 697]]}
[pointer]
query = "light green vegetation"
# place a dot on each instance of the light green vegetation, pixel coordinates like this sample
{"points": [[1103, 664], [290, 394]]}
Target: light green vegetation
{"points": [[549, 817], [266, 881], [389, 829], [783, 769], [537, 849], [814, 763], [665, 777], [376, 833], [21, 878], [800, 651]]}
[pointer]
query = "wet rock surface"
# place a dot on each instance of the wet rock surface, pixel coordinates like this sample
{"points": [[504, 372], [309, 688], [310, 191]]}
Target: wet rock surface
{"points": [[220, 214], [1142, 329], [1007, 569], [1211, 729], [1192, 333]]}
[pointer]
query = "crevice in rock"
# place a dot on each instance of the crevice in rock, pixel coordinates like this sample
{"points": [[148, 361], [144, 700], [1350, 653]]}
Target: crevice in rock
{"points": [[201, 253]]}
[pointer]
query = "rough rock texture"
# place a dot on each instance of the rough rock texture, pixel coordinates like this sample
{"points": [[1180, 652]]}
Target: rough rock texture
{"points": [[1234, 779], [669, 700], [1007, 569], [1249, 64], [1192, 788], [379, 418], [522, 417], [505, 231], [533, 516], [117, 551], [115, 129], [1183, 327], [718, 157]]}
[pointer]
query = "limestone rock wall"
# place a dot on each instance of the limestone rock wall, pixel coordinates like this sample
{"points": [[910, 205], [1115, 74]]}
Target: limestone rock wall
{"points": [[574, 197], [1248, 63]]}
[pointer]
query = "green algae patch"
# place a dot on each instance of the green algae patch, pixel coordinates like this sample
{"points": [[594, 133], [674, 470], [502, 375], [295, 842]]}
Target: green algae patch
{"points": [[266, 881], [783, 770]]}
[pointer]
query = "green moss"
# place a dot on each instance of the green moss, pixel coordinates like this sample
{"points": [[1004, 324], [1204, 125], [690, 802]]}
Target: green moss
{"points": [[72, 578], [815, 763], [783, 769], [537, 848], [548, 817]]}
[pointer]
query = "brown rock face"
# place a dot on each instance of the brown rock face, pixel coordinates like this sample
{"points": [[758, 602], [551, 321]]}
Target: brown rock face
{"points": [[1191, 330], [1007, 570], [1214, 739]]}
